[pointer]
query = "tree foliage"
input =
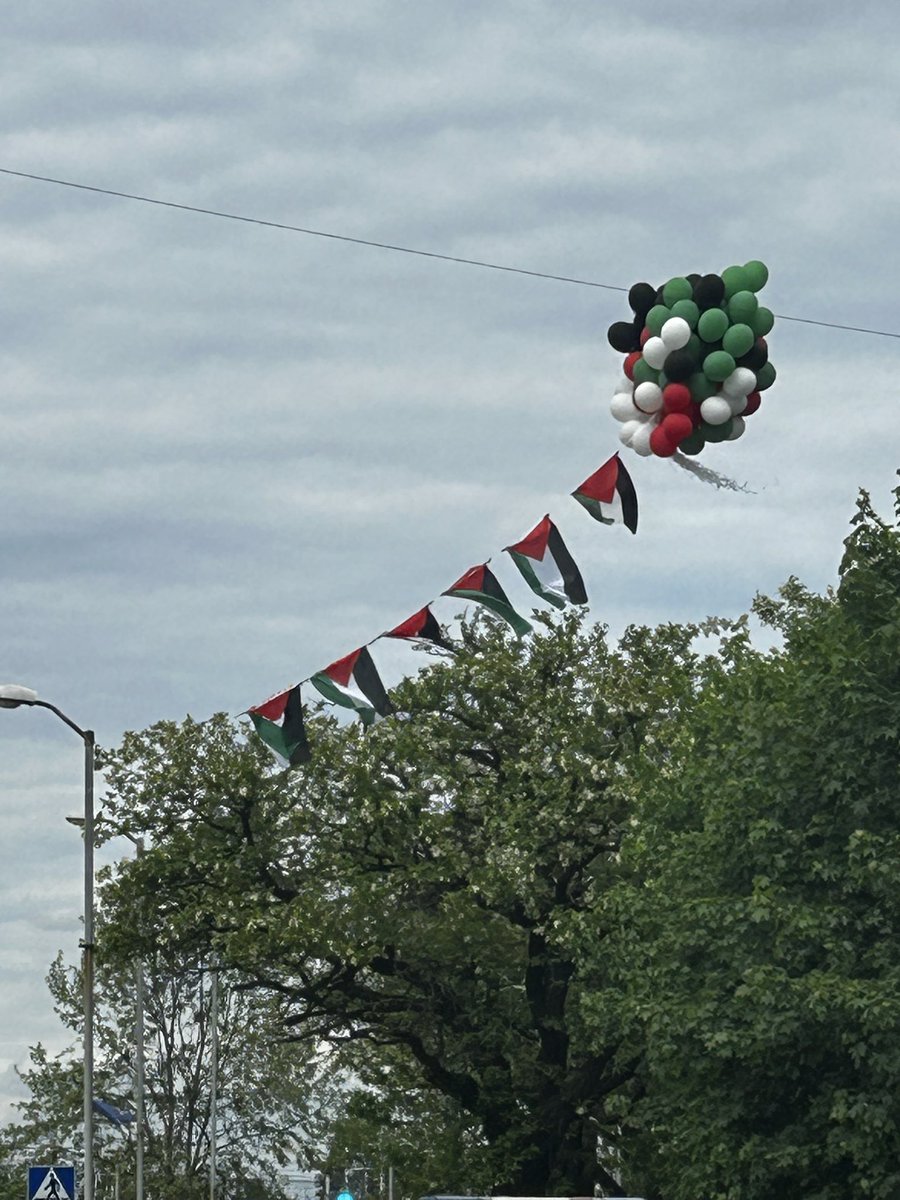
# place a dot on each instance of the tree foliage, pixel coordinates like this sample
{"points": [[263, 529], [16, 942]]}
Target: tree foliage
{"points": [[622, 916], [757, 956], [412, 888], [264, 1086]]}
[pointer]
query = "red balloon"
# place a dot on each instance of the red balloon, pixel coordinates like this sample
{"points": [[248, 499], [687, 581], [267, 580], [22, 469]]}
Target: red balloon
{"points": [[677, 398], [753, 402], [677, 427], [661, 444], [645, 333], [629, 363]]}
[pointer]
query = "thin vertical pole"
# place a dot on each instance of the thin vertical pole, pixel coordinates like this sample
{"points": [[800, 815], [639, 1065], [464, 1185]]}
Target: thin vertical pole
{"points": [[139, 1079], [87, 964], [214, 1071], [390, 1183]]}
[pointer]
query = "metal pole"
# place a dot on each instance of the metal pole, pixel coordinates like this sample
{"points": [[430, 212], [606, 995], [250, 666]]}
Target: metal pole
{"points": [[390, 1183], [87, 965], [139, 1079], [214, 1070], [138, 1056], [13, 696]]}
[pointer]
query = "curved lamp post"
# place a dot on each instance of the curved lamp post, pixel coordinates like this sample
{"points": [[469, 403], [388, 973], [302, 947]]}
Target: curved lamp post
{"points": [[13, 695]]}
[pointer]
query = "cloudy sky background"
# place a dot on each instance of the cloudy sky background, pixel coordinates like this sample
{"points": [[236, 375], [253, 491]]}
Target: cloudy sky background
{"points": [[230, 454]]}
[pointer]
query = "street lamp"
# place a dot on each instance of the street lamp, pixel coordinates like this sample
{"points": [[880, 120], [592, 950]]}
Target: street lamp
{"points": [[13, 695]]}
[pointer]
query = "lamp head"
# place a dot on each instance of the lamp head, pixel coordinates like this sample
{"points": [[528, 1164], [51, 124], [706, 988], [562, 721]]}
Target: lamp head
{"points": [[14, 694]]}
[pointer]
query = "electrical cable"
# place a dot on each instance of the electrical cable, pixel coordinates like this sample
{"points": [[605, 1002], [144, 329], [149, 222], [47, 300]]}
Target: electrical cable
{"points": [[342, 237]]}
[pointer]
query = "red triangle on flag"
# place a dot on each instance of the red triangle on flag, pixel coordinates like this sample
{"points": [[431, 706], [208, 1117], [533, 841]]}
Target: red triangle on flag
{"points": [[272, 710], [411, 627], [602, 484], [341, 671], [472, 581], [534, 544]]}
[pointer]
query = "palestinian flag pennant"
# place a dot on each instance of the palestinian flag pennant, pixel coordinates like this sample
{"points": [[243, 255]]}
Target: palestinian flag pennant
{"points": [[481, 585], [609, 495], [422, 624], [547, 566], [334, 684], [279, 723]]}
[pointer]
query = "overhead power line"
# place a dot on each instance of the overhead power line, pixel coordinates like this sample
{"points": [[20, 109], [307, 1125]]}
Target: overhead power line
{"points": [[343, 237]]}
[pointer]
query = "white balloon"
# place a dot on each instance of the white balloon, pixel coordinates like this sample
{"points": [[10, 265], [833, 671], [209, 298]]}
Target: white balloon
{"points": [[675, 333], [655, 352], [740, 382], [625, 384], [739, 427], [737, 404], [622, 408], [640, 439], [648, 397], [715, 410], [628, 430]]}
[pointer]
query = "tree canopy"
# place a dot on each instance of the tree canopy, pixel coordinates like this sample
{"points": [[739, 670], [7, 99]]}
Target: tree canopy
{"points": [[266, 1089], [628, 911]]}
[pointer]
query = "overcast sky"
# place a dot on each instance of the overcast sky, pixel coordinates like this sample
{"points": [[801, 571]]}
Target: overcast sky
{"points": [[230, 454]]}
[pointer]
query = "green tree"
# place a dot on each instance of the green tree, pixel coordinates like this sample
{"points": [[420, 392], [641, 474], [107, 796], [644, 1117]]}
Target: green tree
{"points": [[387, 1119], [756, 954], [413, 887], [264, 1086]]}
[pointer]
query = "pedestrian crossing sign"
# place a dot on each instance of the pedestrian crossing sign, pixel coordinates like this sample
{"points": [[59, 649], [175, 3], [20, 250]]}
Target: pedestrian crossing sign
{"points": [[51, 1183]]}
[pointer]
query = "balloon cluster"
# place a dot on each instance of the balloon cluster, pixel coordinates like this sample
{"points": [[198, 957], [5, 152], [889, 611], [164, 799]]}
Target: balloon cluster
{"points": [[697, 360]]}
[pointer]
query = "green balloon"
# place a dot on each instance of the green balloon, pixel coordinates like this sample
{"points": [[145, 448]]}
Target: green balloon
{"points": [[693, 443], [656, 318], [678, 288], [662, 380], [717, 433], [644, 373], [718, 365], [735, 280], [696, 347], [757, 275], [688, 311], [741, 307], [712, 324], [765, 377], [763, 320], [738, 340], [701, 387]]}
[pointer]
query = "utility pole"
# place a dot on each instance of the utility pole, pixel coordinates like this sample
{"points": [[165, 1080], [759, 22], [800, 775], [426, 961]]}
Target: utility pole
{"points": [[214, 1071]]}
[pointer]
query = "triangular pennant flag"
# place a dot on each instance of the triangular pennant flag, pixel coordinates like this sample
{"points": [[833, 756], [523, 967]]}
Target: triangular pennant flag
{"points": [[422, 624], [279, 723], [609, 495], [547, 566], [358, 666], [480, 584]]}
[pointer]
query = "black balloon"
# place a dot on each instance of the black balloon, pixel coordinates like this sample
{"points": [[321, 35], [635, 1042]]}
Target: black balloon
{"points": [[642, 297], [708, 292], [680, 365], [693, 279], [623, 337], [757, 356]]}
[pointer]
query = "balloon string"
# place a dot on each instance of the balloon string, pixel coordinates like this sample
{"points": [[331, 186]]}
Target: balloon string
{"points": [[707, 475]]}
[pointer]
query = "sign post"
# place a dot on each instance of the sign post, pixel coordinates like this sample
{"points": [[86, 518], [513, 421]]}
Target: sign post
{"points": [[51, 1183]]}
